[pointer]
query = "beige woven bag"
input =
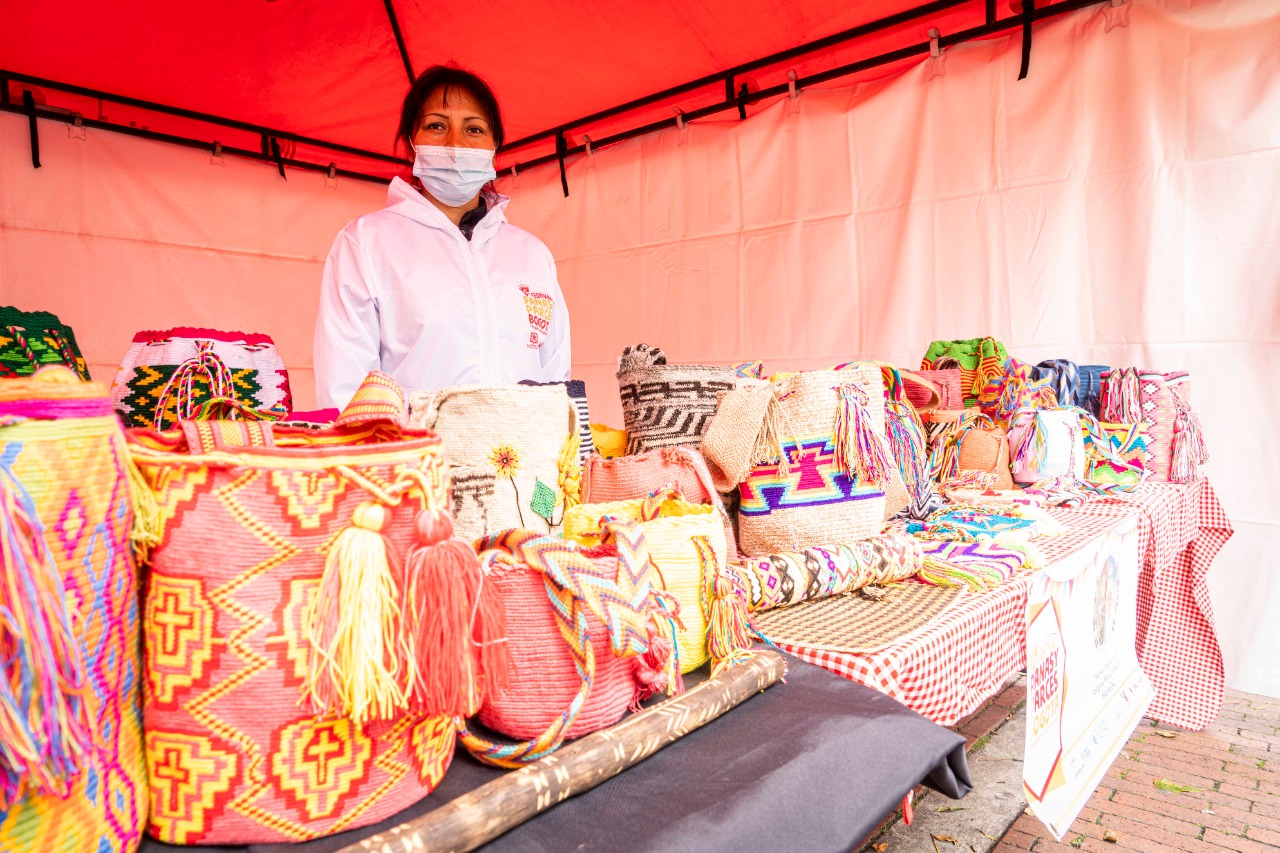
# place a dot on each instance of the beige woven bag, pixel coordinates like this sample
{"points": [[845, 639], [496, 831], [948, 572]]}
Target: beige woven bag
{"points": [[819, 459], [664, 405], [526, 436]]}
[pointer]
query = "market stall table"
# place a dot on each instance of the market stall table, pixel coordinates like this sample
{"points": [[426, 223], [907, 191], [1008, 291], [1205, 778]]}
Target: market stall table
{"points": [[814, 764], [948, 668]]}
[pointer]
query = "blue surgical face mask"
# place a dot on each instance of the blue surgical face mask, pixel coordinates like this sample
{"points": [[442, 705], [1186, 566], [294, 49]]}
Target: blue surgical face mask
{"points": [[454, 176]]}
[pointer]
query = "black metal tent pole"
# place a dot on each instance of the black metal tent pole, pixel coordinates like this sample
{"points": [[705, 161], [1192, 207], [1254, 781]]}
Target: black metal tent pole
{"points": [[404, 49], [1020, 21]]}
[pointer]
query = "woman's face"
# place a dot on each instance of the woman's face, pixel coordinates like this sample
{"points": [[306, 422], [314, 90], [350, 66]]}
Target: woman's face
{"points": [[453, 118]]}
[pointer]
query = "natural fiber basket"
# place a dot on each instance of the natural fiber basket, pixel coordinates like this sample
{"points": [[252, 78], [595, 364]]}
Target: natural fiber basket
{"points": [[72, 776]]}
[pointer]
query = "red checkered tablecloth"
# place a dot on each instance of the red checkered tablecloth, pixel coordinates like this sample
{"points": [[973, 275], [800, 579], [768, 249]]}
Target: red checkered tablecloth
{"points": [[948, 668]]}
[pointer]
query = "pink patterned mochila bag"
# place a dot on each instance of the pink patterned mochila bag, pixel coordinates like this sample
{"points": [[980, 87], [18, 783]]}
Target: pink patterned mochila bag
{"points": [[1162, 401]]}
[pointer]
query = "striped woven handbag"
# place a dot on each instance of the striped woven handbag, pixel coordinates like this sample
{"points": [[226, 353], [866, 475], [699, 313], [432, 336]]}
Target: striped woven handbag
{"points": [[306, 617], [72, 776]]}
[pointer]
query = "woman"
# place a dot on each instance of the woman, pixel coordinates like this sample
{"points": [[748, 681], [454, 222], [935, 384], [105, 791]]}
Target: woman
{"points": [[438, 288]]}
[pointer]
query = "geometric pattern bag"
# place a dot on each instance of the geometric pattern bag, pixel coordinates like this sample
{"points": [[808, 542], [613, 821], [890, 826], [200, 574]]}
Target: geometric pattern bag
{"points": [[1161, 401], [526, 435], [284, 563], [30, 340], [664, 405], [1126, 463], [687, 546], [577, 390], [73, 665], [1013, 389], [811, 462], [978, 359], [167, 375]]}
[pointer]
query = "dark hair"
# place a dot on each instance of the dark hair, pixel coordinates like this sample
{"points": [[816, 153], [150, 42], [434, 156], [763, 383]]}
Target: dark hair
{"points": [[446, 77]]}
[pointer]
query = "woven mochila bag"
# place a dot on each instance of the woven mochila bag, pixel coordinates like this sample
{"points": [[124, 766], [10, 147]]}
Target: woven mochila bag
{"points": [[664, 405], [72, 776], [1075, 384], [577, 391], [1117, 453], [311, 629], [910, 487], [977, 359], [1162, 401], [607, 441], [809, 456], [1046, 443], [947, 383], [974, 443], [526, 435], [30, 340], [1015, 389], [687, 547], [167, 375], [633, 477], [589, 638]]}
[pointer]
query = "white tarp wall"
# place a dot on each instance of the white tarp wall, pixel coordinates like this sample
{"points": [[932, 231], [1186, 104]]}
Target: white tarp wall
{"points": [[1117, 207]]}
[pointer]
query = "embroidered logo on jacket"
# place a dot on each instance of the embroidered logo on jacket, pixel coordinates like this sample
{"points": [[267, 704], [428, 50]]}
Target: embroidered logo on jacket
{"points": [[539, 306]]}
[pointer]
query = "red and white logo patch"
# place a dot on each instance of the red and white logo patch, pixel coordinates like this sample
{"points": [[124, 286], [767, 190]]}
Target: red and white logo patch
{"points": [[539, 306]]}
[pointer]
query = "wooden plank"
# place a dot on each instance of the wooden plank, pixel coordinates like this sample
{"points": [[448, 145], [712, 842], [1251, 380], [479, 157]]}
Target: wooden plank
{"points": [[498, 806]]}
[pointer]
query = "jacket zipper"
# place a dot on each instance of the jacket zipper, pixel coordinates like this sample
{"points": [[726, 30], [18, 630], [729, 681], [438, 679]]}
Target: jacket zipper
{"points": [[484, 311]]}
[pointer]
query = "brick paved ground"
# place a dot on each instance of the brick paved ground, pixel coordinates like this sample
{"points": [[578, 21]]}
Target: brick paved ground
{"points": [[1234, 767]]}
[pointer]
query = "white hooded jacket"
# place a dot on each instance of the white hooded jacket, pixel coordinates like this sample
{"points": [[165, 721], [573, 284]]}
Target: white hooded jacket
{"points": [[405, 293]]}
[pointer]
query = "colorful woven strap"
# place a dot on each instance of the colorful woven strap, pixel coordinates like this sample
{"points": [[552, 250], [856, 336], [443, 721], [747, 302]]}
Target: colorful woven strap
{"points": [[575, 587], [181, 386]]}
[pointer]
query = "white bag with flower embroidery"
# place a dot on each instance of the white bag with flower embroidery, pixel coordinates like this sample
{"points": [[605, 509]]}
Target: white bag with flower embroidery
{"points": [[525, 436]]}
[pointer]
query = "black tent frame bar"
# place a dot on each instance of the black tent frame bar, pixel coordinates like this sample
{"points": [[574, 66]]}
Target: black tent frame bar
{"points": [[730, 75], [184, 113], [740, 99], [212, 147]]}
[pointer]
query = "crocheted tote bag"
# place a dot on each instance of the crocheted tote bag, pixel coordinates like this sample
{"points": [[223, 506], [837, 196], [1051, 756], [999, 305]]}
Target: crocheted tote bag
{"points": [[30, 340], [1013, 389], [167, 375], [977, 359], [1126, 463], [577, 391], [809, 457], [1045, 443], [526, 435], [306, 619], [587, 635], [687, 546], [631, 477], [973, 442], [821, 571], [1162, 401], [947, 383], [664, 405], [72, 777]]}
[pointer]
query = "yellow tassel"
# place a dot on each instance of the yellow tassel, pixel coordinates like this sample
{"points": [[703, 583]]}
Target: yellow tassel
{"points": [[146, 531], [354, 627]]}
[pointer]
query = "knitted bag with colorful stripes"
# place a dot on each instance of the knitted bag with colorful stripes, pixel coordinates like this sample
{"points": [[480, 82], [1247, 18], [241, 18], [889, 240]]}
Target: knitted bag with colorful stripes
{"points": [[72, 776], [589, 638], [311, 629], [978, 359], [30, 340], [1126, 464], [167, 375], [1162, 401], [1013, 389]]}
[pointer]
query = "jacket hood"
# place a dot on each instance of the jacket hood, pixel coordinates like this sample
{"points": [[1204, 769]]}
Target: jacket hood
{"points": [[404, 200]]}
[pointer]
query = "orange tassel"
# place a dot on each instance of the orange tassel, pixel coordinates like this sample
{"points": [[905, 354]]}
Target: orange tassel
{"points": [[455, 623]]}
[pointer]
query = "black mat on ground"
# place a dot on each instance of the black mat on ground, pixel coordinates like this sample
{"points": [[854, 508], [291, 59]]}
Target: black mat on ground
{"points": [[811, 765]]}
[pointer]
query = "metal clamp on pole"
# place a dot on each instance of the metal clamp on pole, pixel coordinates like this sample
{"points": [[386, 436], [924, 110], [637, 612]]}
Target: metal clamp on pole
{"points": [[29, 103]]}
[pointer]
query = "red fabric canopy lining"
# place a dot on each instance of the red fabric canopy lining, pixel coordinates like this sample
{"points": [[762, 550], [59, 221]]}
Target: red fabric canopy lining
{"points": [[332, 71]]}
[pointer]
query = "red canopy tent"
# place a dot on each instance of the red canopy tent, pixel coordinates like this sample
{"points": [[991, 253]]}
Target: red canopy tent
{"points": [[325, 80]]}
